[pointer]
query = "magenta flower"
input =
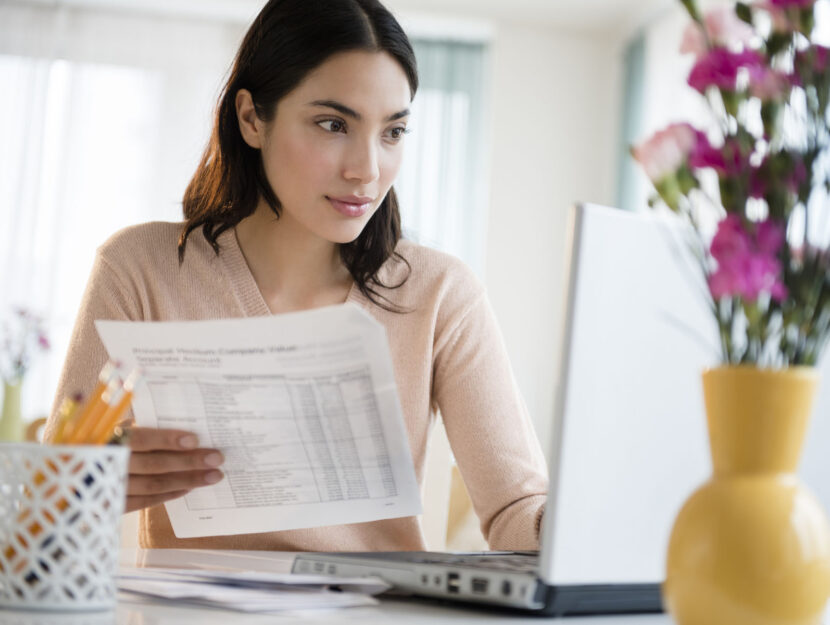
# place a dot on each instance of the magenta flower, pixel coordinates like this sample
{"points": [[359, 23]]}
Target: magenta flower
{"points": [[811, 60], [747, 263], [761, 179], [821, 58], [720, 68], [769, 236], [794, 4], [43, 342], [730, 240], [758, 182], [726, 160]]}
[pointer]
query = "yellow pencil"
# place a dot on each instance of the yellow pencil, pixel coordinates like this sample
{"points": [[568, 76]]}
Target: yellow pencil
{"points": [[106, 425], [81, 425], [69, 406]]}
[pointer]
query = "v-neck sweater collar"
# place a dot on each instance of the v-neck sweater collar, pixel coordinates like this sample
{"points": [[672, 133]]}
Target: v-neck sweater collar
{"points": [[243, 284]]}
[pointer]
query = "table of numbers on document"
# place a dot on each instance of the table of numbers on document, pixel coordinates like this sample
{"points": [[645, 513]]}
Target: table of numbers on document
{"points": [[286, 439]]}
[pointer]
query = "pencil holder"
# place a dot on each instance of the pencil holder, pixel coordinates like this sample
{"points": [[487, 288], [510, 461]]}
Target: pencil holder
{"points": [[60, 508]]}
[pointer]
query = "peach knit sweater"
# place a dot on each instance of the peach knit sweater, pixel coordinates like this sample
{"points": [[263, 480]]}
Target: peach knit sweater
{"points": [[447, 352]]}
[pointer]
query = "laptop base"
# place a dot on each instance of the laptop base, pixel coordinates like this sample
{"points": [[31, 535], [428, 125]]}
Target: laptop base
{"points": [[498, 579]]}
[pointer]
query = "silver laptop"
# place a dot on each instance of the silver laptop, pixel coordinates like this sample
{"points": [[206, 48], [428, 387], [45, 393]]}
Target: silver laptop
{"points": [[629, 437]]}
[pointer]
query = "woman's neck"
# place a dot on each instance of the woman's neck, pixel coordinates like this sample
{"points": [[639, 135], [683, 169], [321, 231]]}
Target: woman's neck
{"points": [[293, 268]]}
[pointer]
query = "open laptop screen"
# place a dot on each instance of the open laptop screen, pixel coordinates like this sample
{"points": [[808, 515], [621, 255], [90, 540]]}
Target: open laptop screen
{"points": [[630, 434], [630, 442]]}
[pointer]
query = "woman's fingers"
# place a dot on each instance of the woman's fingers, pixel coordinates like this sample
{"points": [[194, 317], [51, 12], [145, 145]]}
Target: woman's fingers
{"points": [[166, 464], [171, 482], [137, 502], [151, 462], [151, 439]]}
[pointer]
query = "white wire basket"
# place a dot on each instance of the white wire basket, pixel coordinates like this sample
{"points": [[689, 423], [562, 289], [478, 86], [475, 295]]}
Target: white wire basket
{"points": [[60, 508]]}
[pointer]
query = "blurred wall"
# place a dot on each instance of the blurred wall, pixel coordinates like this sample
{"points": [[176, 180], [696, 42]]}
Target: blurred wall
{"points": [[555, 96]]}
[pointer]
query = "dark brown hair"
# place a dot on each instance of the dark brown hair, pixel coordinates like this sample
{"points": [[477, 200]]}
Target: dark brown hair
{"points": [[286, 41]]}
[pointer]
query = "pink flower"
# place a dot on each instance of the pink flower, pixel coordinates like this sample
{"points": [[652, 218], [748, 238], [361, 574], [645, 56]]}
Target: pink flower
{"points": [[720, 67], [747, 262], [723, 27], [768, 84], [667, 150]]}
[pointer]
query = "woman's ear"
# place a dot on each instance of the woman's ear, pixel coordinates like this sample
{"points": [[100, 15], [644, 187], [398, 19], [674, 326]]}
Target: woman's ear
{"points": [[249, 124]]}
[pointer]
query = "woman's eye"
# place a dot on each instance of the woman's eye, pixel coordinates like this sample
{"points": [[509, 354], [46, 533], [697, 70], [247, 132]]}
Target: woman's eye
{"points": [[332, 125], [398, 133]]}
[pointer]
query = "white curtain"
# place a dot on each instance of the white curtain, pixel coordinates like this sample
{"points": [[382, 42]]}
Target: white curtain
{"points": [[442, 185], [102, 122]]}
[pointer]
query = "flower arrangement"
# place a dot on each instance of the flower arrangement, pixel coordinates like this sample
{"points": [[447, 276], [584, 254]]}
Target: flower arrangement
{"points": [[763, 169], [23, 335]]}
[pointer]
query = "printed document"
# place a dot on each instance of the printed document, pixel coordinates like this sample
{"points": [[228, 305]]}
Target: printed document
{"points": [[303, 405]]}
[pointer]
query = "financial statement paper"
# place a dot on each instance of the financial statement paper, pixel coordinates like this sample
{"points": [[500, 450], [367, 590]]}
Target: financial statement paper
{"points": [[303, 406]]}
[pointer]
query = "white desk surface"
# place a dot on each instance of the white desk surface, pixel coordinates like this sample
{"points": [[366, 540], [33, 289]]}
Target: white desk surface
{"points": [[136, 611]]}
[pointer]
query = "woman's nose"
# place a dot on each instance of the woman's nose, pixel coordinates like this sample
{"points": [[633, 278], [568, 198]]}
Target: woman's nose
{"points": [[361, 162]]}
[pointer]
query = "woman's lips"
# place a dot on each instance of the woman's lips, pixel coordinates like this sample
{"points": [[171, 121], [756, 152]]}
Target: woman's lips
{"points": [[351, 206]]}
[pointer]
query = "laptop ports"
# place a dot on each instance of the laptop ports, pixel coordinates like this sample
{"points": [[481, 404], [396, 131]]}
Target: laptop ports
{"points": [[480, 586], [453, 583]]}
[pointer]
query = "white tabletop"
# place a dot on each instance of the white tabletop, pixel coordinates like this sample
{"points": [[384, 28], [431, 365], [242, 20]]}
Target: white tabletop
{"points": [[131, 611], [138, 611]]}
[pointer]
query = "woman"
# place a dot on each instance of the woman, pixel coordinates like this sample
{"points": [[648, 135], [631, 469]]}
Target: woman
{"points": [[292, 208]]}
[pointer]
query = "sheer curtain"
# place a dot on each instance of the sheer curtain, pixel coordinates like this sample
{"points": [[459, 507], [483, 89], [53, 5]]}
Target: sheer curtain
{"points": [[442, 185], [104, 117], [628, 183]]}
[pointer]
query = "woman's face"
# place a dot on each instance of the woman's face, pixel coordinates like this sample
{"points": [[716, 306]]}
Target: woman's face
{"points": [[334, 147]]}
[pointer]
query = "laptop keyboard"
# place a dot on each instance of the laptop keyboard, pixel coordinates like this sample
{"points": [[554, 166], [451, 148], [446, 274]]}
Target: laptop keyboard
{"points": [[516, 561]]}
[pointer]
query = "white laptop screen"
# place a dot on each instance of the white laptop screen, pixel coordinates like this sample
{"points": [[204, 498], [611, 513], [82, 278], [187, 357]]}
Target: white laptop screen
{"points": [[630, 442], [631, 429]]}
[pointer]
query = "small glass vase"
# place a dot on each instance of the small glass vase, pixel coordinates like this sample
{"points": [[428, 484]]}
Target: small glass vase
{"points": [[11, 419]]}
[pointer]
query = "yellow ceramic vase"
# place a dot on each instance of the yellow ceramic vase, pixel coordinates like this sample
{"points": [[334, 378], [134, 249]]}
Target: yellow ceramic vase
{"points": [[751, 546]]}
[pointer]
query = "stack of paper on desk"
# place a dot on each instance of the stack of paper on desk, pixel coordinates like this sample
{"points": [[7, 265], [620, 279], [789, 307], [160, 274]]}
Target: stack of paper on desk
{"points": [[304, 407], [251, 591]]}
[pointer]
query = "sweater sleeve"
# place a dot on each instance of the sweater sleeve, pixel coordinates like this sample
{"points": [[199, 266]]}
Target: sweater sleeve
{"points": [[489, 429], [105, 297]]}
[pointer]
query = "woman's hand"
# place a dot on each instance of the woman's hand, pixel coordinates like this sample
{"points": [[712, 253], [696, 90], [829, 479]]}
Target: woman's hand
{"points": [[166, 464]]}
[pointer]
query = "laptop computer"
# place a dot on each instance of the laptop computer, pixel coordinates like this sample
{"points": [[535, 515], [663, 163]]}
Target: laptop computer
{"points": [[629, 440]]}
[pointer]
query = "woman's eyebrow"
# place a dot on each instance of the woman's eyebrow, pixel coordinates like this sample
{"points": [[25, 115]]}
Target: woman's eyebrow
{"points": [[348, 112]]}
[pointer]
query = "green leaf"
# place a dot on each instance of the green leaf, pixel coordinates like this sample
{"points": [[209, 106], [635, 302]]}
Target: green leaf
{"points": [[731, 101], [744, 12], [669, 191], [686, 180], [808, 20], [778, 42], [691, 7]]}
